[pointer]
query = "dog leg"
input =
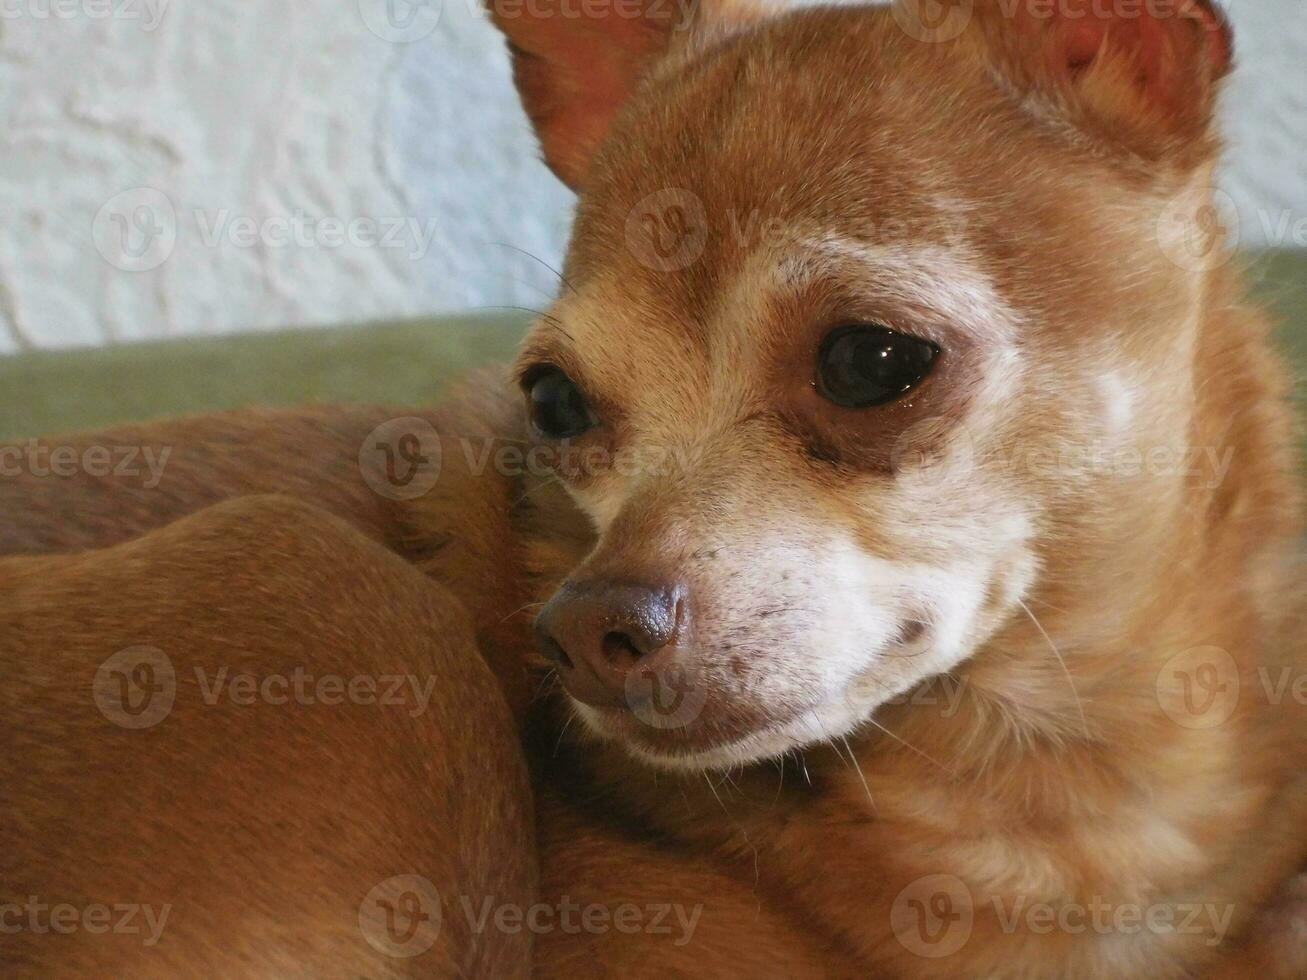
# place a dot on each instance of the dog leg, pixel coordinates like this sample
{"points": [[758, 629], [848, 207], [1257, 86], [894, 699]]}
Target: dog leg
{"points": [[253, 743]]}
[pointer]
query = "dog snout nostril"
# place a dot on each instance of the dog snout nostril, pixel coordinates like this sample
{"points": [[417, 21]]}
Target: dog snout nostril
{"points": [[621, 649], [551, 649], [598, 630]]}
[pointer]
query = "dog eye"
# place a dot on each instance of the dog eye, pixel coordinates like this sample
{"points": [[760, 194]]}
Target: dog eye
{"points": [[558, 409], [868, 364]]}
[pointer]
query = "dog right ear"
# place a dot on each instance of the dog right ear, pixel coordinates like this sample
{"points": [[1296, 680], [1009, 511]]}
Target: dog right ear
{"points": [[576, 63], [1143, 73]]}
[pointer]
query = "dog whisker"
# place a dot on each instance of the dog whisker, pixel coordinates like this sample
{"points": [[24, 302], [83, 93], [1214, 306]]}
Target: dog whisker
{"points": [[522, 609], [858, 769], [1084, 721], [532, 255], [548, 318], [550, 679], [530, 285], [909, 745], [708, 779], [543, 485], [571, 717]]}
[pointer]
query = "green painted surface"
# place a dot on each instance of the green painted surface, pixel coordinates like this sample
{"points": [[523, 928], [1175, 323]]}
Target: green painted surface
{"points": [[406, 363]]}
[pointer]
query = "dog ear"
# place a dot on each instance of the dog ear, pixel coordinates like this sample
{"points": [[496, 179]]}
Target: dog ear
{"points": [[575, 64], [1141, 72]]}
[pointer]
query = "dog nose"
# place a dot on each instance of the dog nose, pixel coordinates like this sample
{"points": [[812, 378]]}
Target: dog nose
{"points": [[597, 631]]}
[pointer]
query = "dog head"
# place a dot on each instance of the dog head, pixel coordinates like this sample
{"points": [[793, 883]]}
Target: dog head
{"points": [[846, 286]]}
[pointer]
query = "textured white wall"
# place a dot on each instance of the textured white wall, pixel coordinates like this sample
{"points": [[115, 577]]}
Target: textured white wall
{"points": [[175, 167]]}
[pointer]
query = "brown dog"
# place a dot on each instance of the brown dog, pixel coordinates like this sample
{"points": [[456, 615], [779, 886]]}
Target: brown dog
{"points": [[913, 500]]}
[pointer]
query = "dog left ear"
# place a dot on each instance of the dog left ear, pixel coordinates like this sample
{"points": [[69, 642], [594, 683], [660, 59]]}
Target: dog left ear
{"points": [[1143, 72], [575, 70], [576, 64]]}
